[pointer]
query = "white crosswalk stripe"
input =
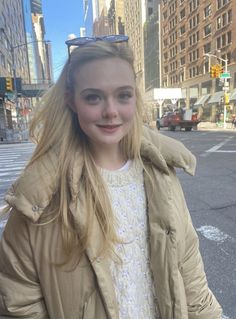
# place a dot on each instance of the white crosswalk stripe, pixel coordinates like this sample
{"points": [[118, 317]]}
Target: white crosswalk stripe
{"points": [[13, 158]]}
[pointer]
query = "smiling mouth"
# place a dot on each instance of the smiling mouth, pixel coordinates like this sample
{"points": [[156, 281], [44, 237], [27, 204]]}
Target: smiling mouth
{"points": [[109, 126]]}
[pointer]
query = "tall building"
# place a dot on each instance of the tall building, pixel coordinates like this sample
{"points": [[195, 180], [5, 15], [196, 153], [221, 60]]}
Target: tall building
{"points": [[152, 56], [100, 23], [116, 17], [13, 60], [196, 35], [30, 40], [135, 17], [25, 62], [89, 8], [42, 49]]}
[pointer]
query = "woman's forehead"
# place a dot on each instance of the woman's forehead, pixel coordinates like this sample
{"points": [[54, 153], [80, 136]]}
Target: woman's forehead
{"points": [[103, 71]]}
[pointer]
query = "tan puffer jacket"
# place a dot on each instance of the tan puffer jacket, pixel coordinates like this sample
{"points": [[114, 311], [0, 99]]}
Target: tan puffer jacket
{"points": [[32, 287]]}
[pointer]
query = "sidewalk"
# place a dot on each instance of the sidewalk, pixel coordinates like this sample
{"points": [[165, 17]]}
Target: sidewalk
{"points": [[206, 126], [16, 137], [209, 126]]}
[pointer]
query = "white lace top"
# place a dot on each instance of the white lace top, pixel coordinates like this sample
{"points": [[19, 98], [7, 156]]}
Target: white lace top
{"points": [[132, 278]]}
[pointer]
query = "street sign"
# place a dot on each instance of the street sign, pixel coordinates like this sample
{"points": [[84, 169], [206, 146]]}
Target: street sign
{"points": [[10, 95], [225, 75]]}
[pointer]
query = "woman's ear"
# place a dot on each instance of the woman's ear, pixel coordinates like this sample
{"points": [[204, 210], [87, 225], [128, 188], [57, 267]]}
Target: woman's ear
{"points": [[70, 101]]}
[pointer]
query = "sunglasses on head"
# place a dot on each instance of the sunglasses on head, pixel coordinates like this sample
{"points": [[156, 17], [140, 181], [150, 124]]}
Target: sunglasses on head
{"points": [[81, 41]]}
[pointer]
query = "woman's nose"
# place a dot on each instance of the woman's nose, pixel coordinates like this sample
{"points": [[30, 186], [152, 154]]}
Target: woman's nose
{"points": [[110, 109]]}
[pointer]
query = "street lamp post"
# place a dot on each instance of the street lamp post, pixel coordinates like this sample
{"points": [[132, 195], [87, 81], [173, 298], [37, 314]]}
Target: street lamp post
{"points": [[226, 84]]}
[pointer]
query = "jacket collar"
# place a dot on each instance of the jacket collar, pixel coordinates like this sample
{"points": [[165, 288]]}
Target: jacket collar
{"points": [[34, 189]]}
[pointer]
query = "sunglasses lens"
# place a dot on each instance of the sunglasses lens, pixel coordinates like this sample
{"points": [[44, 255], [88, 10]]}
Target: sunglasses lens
{"points": [[79, 41], [116, 38]]}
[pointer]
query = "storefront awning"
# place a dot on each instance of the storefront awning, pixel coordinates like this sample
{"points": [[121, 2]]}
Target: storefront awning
{"points": [[233, 96], [216, 98], [202, 100]]}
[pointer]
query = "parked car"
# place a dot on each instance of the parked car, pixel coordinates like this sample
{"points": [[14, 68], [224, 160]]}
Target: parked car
{"points": [[178, 119]]}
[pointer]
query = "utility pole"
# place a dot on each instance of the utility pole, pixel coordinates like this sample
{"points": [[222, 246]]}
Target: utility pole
{"points": [[225, 78]]}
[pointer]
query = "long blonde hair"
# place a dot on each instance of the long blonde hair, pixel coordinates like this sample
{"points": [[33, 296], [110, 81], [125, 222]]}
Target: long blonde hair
{"points": [[56, 126]]}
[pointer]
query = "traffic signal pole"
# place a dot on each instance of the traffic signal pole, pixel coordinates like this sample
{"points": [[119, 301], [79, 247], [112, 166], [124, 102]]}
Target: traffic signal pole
{"points": [[226, 83], [225, 88]]}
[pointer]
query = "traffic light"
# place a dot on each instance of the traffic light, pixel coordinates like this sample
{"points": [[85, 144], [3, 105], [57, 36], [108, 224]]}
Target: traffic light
{"points": [[9, 85], [218, 70], [213, 71], [226, 99], [221, 69]]}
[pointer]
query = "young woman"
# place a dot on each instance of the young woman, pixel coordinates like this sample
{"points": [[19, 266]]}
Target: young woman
{"points": [[98, 225]]}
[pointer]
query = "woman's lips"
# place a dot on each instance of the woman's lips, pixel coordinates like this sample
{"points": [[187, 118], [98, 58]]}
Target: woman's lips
{"points": [[109, 128]]}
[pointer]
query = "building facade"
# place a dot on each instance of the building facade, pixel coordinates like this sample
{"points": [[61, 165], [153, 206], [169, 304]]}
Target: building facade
{"points": [[135, 17], [89, 9], [196, 35], [13, 61], [25, 61]]}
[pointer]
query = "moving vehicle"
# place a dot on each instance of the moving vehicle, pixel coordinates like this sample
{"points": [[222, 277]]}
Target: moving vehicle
{"points": [[178, 119]]}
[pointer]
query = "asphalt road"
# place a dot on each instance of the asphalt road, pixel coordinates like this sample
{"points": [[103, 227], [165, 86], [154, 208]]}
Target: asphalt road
{"points": [[211, 199], [210, 195]]}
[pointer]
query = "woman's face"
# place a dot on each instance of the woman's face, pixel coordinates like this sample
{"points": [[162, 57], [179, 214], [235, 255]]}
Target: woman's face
{"points": [[105, 101]]}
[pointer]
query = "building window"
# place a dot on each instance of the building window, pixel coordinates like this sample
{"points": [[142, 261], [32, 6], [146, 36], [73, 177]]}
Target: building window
{"points": [[193, 5], [229, 16], [207, 30], [218, 23], [207, 11], [8, 67], [221, 3], [182, 30], [150, 11], [218, 43], [165, 15], [223, 43], [2, 60], [207, 47], [182, 45], [206, 67], [229, 37], [194, 21], [182, 60], [224, 19], [181, 77], [182, 14]]}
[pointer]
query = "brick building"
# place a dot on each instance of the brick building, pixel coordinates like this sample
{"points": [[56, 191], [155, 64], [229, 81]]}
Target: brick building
{"points": [[195, 35]]}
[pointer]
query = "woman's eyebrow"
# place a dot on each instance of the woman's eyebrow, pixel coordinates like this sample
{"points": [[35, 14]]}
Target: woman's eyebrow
{"points": [[87, 90], [93, 90]]}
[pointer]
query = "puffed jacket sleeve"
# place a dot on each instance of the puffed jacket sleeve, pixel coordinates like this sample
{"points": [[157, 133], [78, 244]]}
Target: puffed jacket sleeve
{"points": [[20, 292], [201, 302]]}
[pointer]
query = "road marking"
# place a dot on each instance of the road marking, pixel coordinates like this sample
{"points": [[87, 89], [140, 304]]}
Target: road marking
{"points": [[225, 151], [214, 234], [225, 317], [215, 148], [17, 168]]}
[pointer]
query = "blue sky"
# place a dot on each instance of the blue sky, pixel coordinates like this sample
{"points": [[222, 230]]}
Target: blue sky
{"points": [[61, 18]]}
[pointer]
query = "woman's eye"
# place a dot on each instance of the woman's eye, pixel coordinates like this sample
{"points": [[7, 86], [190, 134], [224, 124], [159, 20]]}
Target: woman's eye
{"points": [[92, 98], [125, 96]]}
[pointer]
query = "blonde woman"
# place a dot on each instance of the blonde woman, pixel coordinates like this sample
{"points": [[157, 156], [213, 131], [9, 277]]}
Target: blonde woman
{"points": [[98, 225]]}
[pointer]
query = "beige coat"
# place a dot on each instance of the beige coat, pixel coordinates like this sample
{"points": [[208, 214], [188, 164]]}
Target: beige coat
{"points": [[32, 287]]}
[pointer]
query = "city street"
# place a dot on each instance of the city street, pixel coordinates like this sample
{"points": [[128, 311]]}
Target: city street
{"points": [[13, 158], [210, 195]]}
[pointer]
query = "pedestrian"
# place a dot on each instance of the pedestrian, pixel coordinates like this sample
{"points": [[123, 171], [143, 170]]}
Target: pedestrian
{"points": [[234, 121], [98, 224]]}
